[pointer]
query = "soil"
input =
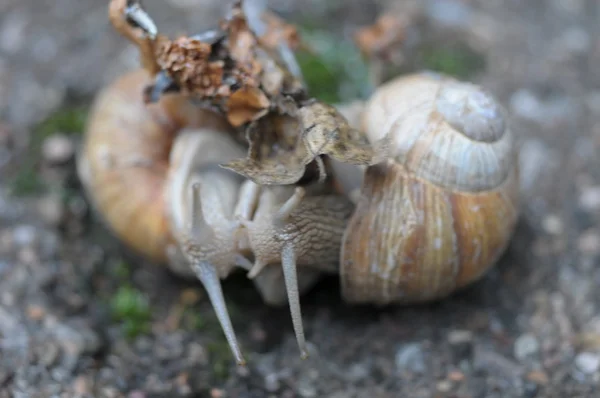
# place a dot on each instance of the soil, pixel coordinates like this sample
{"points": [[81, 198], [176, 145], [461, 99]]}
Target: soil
{"points": [[80, 316]]}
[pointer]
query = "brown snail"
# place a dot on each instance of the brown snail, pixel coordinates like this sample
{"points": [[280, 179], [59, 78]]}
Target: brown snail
{"points": [[433, 217], [445, 202]]}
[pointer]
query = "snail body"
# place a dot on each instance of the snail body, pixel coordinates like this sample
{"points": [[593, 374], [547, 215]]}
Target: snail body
{"points": [[429, 219]]}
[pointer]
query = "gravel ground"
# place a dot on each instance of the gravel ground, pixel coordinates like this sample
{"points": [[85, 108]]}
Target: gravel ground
{"points": [[82, 317]]}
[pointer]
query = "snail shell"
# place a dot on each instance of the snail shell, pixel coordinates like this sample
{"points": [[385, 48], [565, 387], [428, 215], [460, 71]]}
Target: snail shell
{"points": [[439, 212], [125, 160]]}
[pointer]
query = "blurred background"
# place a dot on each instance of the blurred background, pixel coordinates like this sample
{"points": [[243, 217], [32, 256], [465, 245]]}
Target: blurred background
{"points": [[79, 316]]}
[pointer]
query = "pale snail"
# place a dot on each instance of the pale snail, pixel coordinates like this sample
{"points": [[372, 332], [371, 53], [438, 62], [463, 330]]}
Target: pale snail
{"points": [[430, 219], [151, 172]]}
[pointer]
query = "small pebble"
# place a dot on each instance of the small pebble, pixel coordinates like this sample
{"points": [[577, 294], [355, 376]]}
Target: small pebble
{"points": [[81, 385], [455, 375], [58, 149], [182, 382], [589, 243], [197, 354], [444, 386], [77, 206], [76, 341], [272, 382], [525, 346], [526, 105], [535, 164], [538, 377], [51, 209], [461, 342], [49, 353], [28, 255], [552, 224], [449, 14], [24, 235], [110, 392], [410, 357], [36, 312], [495, 363], [588, 362], [575, 40], [357, 372], [306, 384], [242, 371], [589, 200]]}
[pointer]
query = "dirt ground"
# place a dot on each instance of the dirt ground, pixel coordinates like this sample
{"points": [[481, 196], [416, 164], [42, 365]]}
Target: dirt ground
{"points": [[82, 317]]}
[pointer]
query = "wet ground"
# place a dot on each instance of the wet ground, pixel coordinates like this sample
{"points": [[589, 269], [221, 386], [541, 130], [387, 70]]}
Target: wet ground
{"points": [[82, 317]]}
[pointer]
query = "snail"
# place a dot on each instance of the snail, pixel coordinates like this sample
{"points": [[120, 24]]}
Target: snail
{"points": [[437, 213], [440, 211], [151, 172], [429, 219]]}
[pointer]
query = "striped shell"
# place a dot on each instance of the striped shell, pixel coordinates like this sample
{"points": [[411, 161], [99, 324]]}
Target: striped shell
{"points": [[124, 160], [441, 210]]}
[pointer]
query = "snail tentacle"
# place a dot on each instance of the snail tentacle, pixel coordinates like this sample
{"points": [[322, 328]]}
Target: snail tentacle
{"points": [[197, 219], [207, 274], [288, 263], [199, 258], [289, 206]]}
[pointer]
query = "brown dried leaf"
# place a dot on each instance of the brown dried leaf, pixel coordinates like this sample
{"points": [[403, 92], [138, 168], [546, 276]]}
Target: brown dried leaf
{"points": [[381, 38], [241, 39], [281, 146], [187, 62], [245, 105], [327, 132], [276, 155], [252, 83], [279, 31], [277, 81]]}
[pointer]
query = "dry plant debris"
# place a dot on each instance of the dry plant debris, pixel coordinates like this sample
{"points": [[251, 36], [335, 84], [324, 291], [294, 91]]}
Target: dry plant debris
{"points": [[255, 82], [383, 38], [382, 44]]}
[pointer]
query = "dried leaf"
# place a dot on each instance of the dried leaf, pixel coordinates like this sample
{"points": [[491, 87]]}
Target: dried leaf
{"points": [[327, 132], [382, 38], [281, 146], [253, 82], [245, 105], [186, 60], [278, 31], [275, 155]]}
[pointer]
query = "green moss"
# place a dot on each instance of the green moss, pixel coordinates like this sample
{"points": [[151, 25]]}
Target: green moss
{"points": [[458, 60], [321, 80], [197, 321], [220, 359], [66, 120], [26, 181], [193, 320], [334, 70], [122, 271], [130, 307]]}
